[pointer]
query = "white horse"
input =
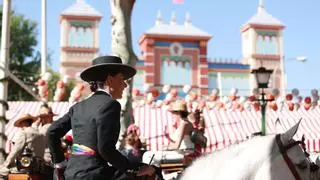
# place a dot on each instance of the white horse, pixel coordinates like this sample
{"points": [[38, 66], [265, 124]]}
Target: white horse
{"points": [[269, 157]]}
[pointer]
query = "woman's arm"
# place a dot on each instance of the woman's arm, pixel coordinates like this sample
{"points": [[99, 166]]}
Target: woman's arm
{"points": [[54, 134], [19, 144], [167, 134], [169, 138]]}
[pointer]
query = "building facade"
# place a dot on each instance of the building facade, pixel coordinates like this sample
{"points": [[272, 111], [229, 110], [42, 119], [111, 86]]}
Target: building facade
{"points": [[79, 38], [176, 54]]}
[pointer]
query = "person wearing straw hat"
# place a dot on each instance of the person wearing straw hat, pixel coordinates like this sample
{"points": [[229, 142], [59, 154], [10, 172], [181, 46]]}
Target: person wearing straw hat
{"points": [[95, 124], [44, 121], [27, 136], [179, 137], [182, 128]]}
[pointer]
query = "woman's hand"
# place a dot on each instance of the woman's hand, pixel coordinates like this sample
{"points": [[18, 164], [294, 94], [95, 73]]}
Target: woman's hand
{"points": [[36, 123], [146, 170]]}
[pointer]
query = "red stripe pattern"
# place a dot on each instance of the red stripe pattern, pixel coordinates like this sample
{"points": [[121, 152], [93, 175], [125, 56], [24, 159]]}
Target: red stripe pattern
{"points": [[223, 127], [19, 108], [226, 127]]}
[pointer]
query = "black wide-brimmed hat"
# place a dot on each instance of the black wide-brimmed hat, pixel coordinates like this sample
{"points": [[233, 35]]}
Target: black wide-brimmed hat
{"points": [[103, 65]]}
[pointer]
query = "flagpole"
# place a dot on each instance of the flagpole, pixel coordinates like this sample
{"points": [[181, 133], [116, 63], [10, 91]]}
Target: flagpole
{"points": [[4, 59], [43, 37]]}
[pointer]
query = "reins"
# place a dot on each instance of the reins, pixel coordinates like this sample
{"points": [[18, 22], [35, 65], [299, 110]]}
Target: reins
{"points": [[283, 151]]}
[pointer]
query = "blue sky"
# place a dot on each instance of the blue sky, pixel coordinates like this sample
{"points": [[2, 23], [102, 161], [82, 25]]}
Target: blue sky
{"points": [[221, 18]]}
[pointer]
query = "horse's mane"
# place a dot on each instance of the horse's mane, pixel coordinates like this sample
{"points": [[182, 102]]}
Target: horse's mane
{"points": [[239, 147], [262, 151]]}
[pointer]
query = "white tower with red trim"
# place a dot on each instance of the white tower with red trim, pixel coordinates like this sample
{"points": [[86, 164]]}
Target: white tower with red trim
{"points": [[79, 33], [262, 45]]}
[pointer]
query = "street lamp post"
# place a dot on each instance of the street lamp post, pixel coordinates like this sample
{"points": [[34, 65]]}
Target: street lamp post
{"points": [[262, 76]]}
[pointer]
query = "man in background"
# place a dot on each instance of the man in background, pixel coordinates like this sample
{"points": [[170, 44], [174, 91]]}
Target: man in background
{"points": [[27, 136], [45, 119]]}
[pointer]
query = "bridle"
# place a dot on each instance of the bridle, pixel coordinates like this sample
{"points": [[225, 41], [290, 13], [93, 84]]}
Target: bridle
{"points": [[284, 149]]}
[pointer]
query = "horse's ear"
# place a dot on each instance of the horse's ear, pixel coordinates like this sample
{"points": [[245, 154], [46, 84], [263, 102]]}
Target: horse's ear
{"points": [[278, 127], [290, 133]]}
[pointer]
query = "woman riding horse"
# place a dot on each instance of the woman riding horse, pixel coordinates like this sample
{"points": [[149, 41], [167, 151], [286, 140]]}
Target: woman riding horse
{"points": [[95, 124]]}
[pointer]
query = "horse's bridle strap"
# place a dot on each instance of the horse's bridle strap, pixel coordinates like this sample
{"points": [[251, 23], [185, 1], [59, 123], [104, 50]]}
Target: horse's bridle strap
{"points": [[286, 158]]}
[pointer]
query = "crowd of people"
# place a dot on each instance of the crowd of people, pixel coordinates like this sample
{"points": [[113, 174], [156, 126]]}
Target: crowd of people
{"points": [[157, 98], [184, 142], [92, 151], [31, 137], [33, 129]]}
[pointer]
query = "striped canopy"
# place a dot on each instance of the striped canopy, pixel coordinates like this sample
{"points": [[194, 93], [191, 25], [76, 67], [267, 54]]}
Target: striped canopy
{"points": [[223, 127], [226, 127]]}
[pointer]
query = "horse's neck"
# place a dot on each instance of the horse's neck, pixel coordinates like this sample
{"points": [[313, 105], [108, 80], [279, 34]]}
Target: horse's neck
{"points": [[244, 159], [257, 144], [250, 155], [257, 158]]}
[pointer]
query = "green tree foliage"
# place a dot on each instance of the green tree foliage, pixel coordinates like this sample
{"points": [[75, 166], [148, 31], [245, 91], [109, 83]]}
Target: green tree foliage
{"points": [[25, 61]]}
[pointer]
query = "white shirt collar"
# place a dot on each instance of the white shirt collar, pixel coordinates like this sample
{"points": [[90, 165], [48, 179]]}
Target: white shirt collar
{"points": [[103, 90]]}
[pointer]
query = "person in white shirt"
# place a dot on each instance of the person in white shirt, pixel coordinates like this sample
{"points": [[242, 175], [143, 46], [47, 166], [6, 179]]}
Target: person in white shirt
{"points": [[45, 119], [179, 137]]}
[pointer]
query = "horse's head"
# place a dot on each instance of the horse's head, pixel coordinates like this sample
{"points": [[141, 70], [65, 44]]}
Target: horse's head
{"points": [[271, 157], [290, 159]]}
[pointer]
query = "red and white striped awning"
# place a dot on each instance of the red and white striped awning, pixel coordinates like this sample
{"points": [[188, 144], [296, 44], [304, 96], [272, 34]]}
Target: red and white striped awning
{"points": [[18, 108], [223, 127], [226, 127]]}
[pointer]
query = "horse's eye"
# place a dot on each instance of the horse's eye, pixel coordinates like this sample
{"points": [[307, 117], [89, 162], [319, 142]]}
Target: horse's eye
{"points": [[302, 165]]}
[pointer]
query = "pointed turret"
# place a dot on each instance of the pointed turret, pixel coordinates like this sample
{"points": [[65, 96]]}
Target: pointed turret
{"points": [[174, 29], [262, 19], [173, 19], [261, 6], [187, 20], [159, 18]]}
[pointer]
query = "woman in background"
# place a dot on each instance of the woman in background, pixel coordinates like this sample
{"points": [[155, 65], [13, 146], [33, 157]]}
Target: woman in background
{"points": [[179, 136]]}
